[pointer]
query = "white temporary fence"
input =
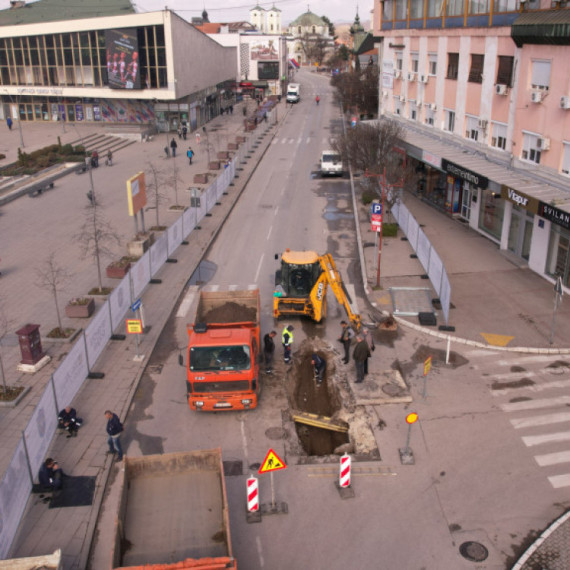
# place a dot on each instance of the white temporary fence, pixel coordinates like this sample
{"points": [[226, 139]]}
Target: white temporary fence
{"points": [[68, 379], [427, 256]]}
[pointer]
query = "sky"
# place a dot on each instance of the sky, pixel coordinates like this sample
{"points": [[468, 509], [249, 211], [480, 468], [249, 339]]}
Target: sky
{"points": [[338, 11]]}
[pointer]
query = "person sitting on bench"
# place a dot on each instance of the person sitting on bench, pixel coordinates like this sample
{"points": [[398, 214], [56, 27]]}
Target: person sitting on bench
{"points": [[50, 475], [69, 421]]}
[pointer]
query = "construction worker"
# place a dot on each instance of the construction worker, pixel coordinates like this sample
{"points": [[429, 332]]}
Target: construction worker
{"points": [[287, 341], [319, 367]]}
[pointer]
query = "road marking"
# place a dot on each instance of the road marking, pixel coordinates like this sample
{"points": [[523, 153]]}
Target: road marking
{"points": [[532, 440], [186, 302], [534, 404], [256, 278], [509, 375], [518, 360], [558, 481], [259, 551], [244, 440], [497, 339], [534, 387], [481, 352], [553, 458], [269, 233], [535, 421]]}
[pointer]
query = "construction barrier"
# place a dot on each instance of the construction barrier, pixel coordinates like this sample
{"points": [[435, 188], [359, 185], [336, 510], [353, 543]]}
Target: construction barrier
{"points": [[252, 495], [345, 471]]}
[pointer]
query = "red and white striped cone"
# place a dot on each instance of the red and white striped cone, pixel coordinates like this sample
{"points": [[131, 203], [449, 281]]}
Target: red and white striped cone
{"points": [[345, 471], [252, 495]]}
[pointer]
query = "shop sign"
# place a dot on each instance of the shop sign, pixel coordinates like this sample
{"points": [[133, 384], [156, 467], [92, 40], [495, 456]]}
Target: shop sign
{"points": [[556, 216], [465, 174], [432, 159], [520, 199]]}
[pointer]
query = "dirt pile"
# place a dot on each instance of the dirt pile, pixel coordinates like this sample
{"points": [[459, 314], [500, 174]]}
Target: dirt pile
{"points": [[229, 312]]}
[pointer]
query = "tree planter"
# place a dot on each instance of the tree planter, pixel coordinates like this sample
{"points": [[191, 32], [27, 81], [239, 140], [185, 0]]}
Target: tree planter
{"points": [[140, 244], [80, 308], [201, 178], [214, 165], [118, 269]]}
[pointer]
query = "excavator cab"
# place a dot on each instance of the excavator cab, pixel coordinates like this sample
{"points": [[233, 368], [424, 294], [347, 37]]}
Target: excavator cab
{"points": [[300, 270]]}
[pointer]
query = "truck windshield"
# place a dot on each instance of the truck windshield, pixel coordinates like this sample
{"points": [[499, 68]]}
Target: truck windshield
{"points": [[204, 358], [334, 158]]}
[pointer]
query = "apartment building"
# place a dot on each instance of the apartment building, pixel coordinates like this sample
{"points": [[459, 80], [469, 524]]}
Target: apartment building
{"points": [[482, 90]]}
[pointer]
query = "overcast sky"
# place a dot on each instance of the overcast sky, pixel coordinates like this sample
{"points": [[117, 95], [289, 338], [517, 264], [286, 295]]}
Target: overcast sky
{"points": [[235, 10]]}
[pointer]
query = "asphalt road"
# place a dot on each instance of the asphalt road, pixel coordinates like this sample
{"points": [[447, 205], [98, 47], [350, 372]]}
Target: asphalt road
{"points": [[475, 476]]}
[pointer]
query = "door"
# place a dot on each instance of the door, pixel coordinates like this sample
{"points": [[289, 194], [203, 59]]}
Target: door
{"points": [[466, 201]]}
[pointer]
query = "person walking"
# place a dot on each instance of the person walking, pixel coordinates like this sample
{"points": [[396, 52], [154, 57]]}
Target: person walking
{"points": [[109, 161], [346, 337], [50, 475], [287, 341], [371, 347], [189, 154], [173, 146], [317, 99], [269, 351], [114, 429], [184, 131], [179, 131], [360, 354], [9, 123], [319, 367]]}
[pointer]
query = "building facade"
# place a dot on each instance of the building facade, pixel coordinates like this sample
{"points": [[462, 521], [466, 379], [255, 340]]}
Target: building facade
{"points": [[132, 68], [306, 29], [266, 21], [481, 90]]}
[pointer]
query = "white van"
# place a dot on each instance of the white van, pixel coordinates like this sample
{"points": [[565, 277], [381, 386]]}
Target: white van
{"points": [[331, 163], [293, 93]]}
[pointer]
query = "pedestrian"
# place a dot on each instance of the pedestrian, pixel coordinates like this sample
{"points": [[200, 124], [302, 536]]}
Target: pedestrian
{"points": [[184, 131], [319, 367], [360, 354], [179, 130], [265, 117], [371, 347], [68, 420], [222, 111], [114, 429], [109, 161], [244, 110], [9, 123], [287, 341], [346, 337], [269, 351], [231, 109], [173, 146], [189, 154], [95, 159], [50, 475]]}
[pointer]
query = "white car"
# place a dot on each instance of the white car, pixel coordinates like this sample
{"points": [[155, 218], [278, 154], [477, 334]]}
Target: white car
{"points": [[331, 163]]}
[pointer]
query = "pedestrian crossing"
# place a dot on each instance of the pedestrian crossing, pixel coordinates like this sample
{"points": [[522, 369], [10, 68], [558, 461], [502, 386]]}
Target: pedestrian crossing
{"points": [[324, 141], [534, 391]]}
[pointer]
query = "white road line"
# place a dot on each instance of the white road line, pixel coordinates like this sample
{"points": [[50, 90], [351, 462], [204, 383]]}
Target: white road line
{"points": [[259, 551], [299, 140], [308, 141], [511, 375], [534, 387], [553, 458], [244, 441], [269, 233], [535, 421], [518, 360], [532, 440], [186, 302], [480, 352], [558, 481], [277, 207], [535, 404], [256, 278]]}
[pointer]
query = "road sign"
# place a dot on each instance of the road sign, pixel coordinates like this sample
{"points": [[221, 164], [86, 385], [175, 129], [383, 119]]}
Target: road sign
{"points": [[376, 208], [412, 418], [353, 121], [427, 365], [134, 326], [272, 462], [136, 305], [376, 222]]}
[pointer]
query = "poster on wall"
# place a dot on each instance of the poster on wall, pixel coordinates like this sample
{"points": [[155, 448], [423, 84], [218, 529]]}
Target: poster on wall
{"points": [[122, 59], [97, 112], [263, 50], [79, 113]]}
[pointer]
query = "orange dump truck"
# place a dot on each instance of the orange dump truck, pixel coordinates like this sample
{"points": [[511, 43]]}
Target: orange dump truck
{"points": [[223, 351], [173, 513]]}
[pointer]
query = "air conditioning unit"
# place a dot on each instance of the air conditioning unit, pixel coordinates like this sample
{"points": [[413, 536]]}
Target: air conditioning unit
{"points": [[423, 78], [482, 124], [536, 96], [397, 74], [501, 89], [565, 102], [385, 93], [419, 102], [402, 98], [411, 76], [542, 144], [431, 106]]}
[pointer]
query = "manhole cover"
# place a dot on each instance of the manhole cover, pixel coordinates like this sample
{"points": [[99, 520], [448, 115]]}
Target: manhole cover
{"points": [[233, 468], [473, 551], [392, 389], [275, 433]]}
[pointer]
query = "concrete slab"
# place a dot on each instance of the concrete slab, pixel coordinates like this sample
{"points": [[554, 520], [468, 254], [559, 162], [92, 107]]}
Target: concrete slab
{"points": [[387, 387]]}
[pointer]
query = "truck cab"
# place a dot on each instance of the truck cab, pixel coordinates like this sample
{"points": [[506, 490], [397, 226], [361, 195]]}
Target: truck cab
{"points": [[331, 163], [293, 93]]}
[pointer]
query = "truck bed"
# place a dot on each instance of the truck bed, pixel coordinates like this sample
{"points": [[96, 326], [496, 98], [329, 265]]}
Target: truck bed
{"points": [[227, 307]]}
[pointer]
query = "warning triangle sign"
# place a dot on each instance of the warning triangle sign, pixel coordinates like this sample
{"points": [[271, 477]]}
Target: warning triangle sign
{"points": [[272, 462]]}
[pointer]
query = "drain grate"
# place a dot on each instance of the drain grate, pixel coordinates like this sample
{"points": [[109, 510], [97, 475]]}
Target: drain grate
{"points": [[473, 551], [233, 468]]}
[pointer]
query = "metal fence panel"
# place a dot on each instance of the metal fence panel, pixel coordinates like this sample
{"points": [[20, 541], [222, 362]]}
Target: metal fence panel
{"points": [[413, 229], [435, 271], [97, 334], [445, 296], [423, 250], [70, 374], [174, 235], [120, 301], [158, 255], [140, 275]]}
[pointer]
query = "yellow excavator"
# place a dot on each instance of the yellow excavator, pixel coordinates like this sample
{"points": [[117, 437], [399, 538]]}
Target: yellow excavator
{"points": [[301, 286]]}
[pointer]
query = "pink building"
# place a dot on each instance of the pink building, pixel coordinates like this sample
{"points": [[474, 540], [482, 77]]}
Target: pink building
{"points": [[482, 89]]}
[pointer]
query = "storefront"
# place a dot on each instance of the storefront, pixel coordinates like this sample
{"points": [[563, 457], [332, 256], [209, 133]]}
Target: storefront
{"points": [[558, 259], [519, 219], [462, 185]]}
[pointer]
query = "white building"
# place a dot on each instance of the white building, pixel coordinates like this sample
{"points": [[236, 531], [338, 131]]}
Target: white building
{"points": [[266, 21]]}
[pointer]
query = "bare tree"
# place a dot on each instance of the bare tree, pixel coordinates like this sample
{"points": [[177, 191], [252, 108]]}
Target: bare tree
{"points": [[173, 180], [53, 277], [153, 186], [96, 238], [314, 47]]}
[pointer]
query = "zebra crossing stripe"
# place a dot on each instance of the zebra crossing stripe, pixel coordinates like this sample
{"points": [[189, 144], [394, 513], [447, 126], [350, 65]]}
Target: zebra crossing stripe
{"points": [[558, 481], [553, 458], [535, 421], [532, 440], [534, 387], [535, 404]]}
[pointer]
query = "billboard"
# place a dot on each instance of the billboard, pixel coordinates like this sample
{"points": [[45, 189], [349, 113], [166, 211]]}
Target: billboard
{"points": [[136, 193], [122, 59]]}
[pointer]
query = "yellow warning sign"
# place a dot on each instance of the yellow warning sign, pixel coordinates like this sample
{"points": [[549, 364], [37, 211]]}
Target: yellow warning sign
{"points": [[134, 326], [272, 462], [427, 365], [497, 339]]}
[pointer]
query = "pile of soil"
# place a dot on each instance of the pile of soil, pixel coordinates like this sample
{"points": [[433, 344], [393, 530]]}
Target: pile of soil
{"points": [[229, 313]]}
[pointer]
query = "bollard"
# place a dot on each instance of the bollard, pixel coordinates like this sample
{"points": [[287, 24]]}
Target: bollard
{"points": [[252, 495], [344, 477]]}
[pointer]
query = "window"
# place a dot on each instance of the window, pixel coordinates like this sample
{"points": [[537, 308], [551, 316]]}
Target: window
{"points": [[452, 65], [476, 71], [435, 9], [471, 128], [505, 71], [415, 61], [399, 60], [429, 117], [506, 5], [479, 6], [449, 124], [398, 105], [455, 7], [499, 136], [388, 11], [432, 63], [314, 29], [400, 9], [558, 260], [530, 150], [540, 74], [416, 10], [566, 159], [413, 111]]}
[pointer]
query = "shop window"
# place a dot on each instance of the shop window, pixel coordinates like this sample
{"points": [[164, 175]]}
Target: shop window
{"points": [[566, 159], [558, 259], [531, 147], [505, 71], [449, 124], [540, 78], [491, 213], [432, 64], [499, 136], [452, 65], [476, 70]]}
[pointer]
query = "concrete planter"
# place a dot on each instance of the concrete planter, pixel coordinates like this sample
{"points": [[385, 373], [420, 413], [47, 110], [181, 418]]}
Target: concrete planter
{"points": [[214, 165], [139, 246], [117, 269], [80, 311], [201, 178], [223, 155], [240, 140], [233, 146]]}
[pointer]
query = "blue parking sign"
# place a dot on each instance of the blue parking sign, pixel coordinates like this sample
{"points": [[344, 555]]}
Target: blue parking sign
{"points": [[376, 208]]}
